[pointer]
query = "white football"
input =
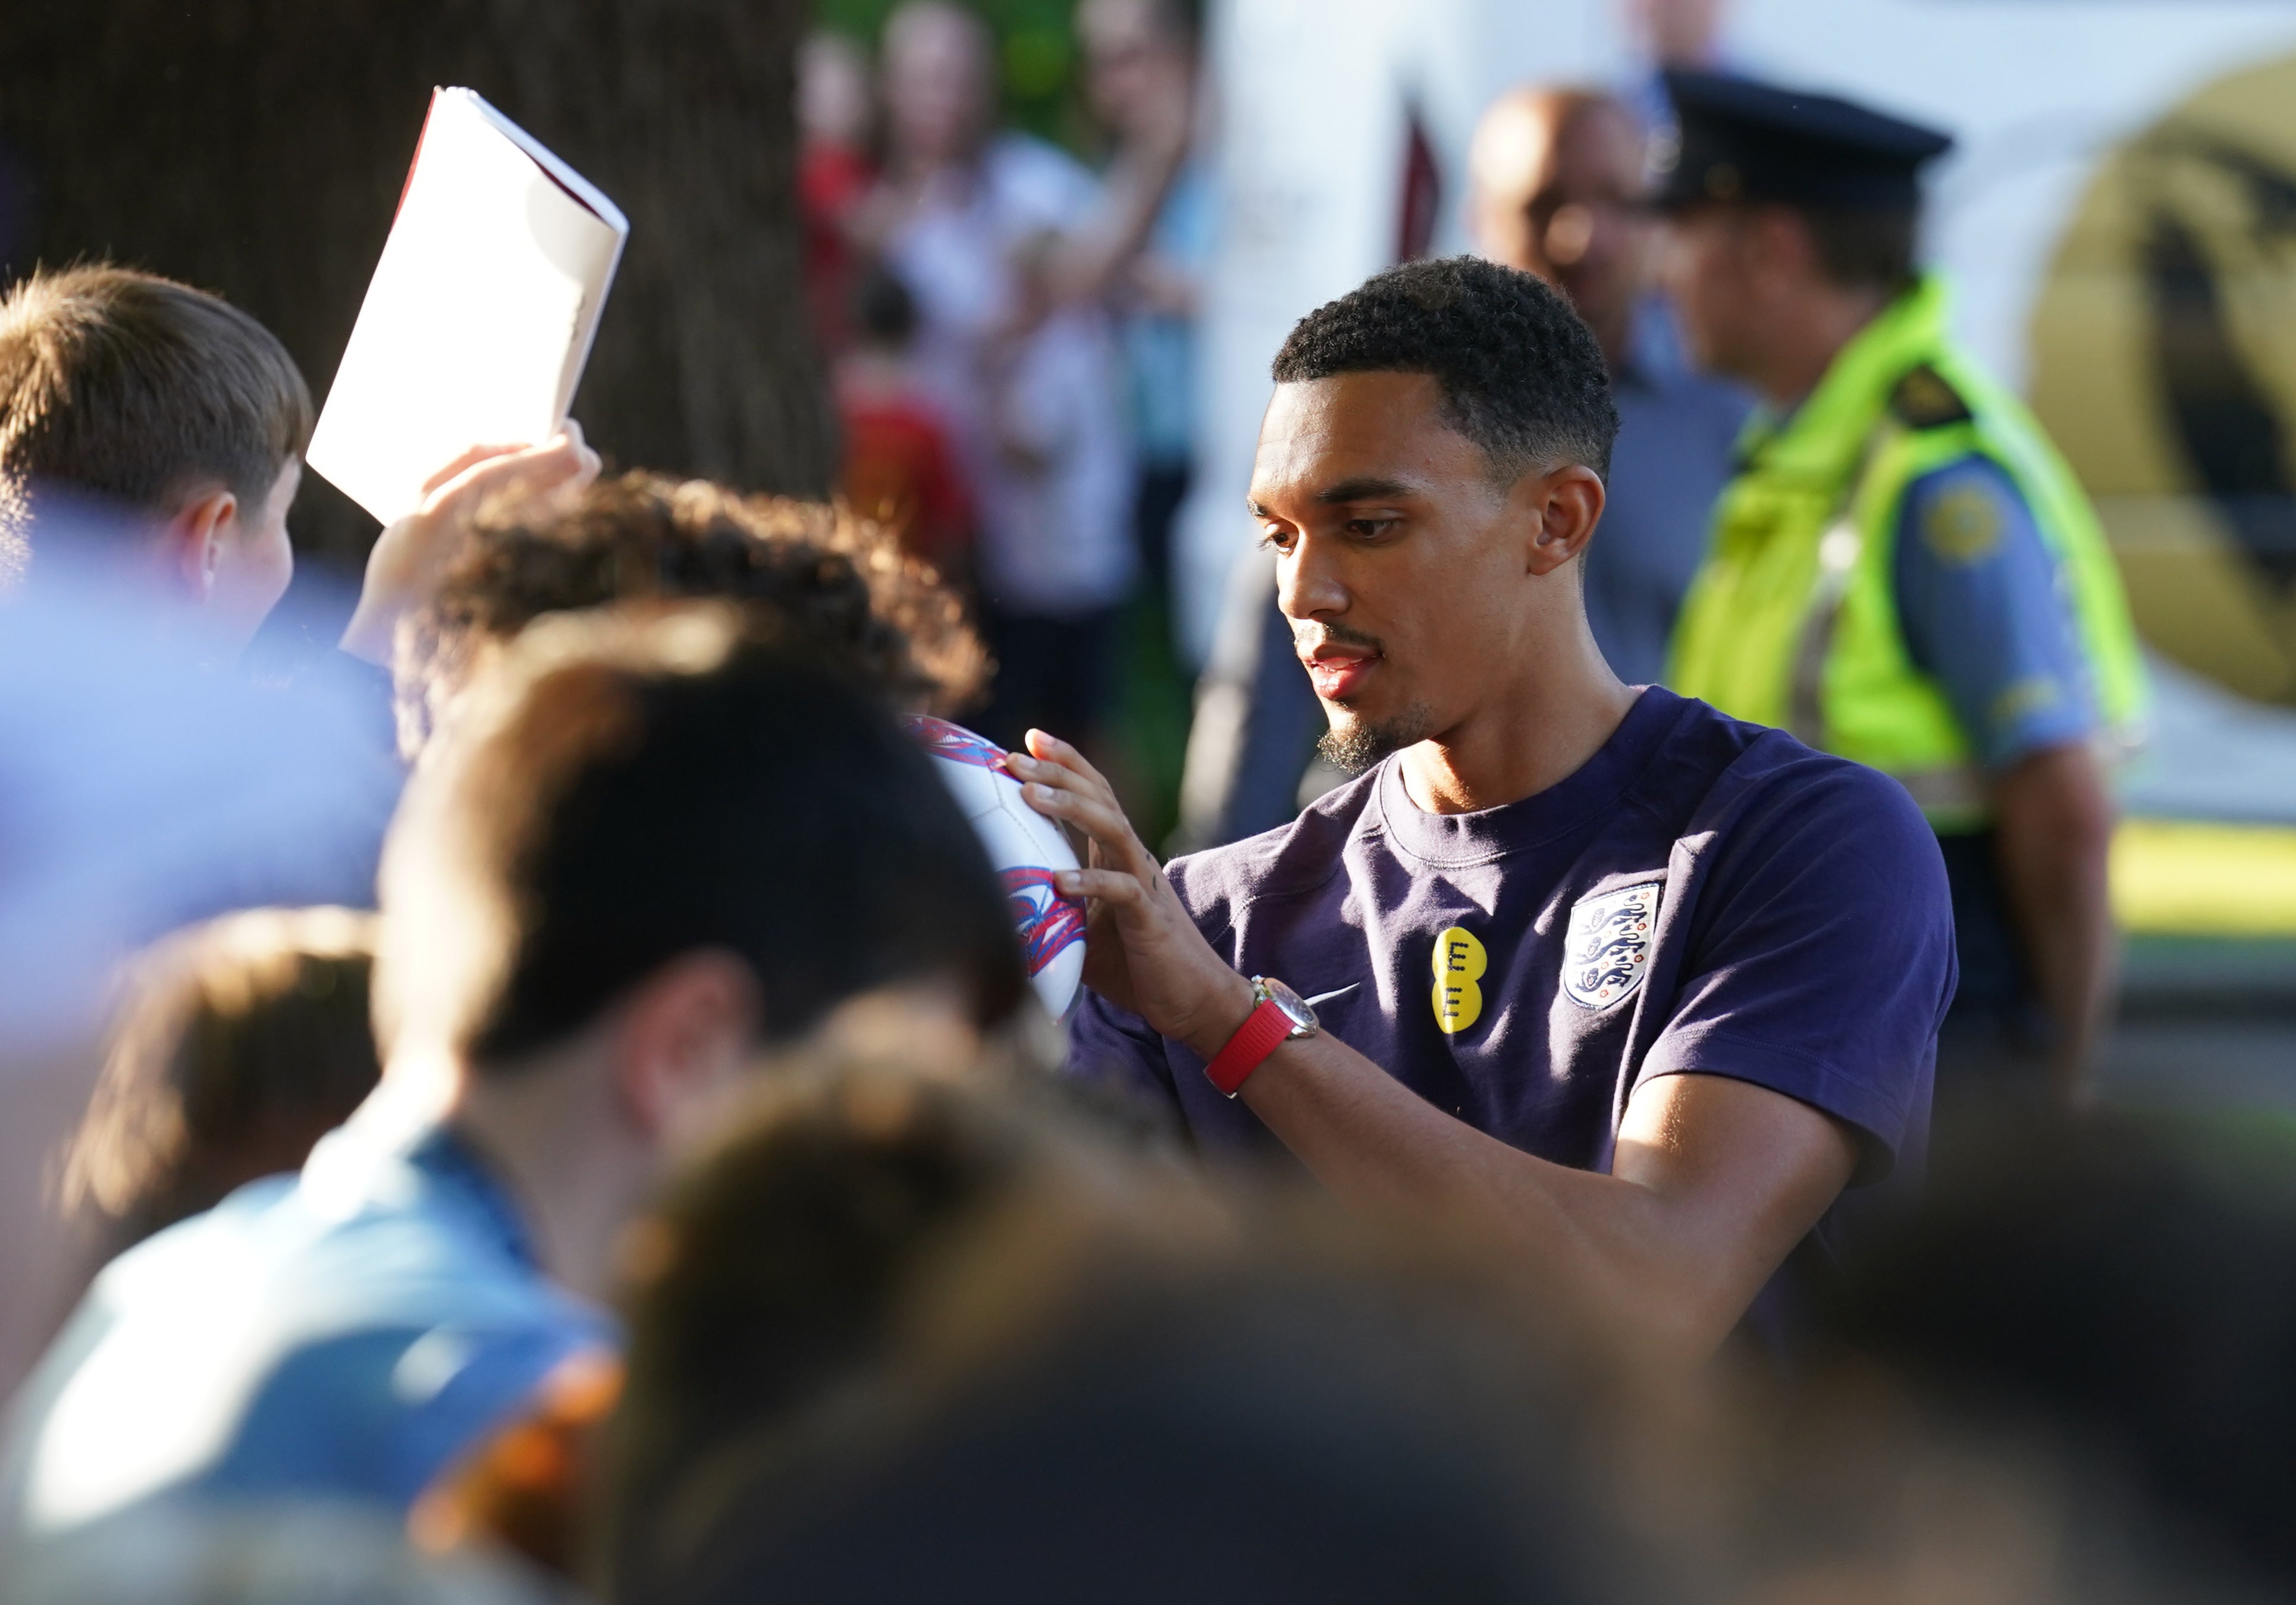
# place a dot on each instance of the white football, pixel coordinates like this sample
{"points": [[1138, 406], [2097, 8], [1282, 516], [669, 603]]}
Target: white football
{"points": [[1026, 847]]}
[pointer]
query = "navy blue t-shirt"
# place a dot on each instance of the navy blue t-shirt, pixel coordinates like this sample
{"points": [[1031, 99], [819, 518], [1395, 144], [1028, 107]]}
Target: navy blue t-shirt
{"points": [[1703, 895]]}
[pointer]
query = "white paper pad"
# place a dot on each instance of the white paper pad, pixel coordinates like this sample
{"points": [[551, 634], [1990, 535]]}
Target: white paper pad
{"points": [[481, 313]]}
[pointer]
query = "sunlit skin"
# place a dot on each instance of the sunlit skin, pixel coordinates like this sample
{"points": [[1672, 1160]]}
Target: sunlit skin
{"points": [[1428, 598], [1432, 596], [231, 558]]}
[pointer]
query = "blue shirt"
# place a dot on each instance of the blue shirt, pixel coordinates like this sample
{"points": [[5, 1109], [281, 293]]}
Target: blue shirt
{"points": [[1701, 895], [343, 1334], [1985, 613], [1677, 437]]}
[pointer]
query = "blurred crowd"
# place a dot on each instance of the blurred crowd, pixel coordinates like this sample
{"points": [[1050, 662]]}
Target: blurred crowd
{"points": [[1011, 331], [543, 1101]]}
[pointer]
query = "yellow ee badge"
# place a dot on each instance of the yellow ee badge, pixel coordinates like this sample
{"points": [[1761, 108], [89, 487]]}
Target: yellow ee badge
{"points": [[1460, 961]]}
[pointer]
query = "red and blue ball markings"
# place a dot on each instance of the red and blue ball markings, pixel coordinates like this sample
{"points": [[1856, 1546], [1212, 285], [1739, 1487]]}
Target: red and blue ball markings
{"points": [[1046, 922]]}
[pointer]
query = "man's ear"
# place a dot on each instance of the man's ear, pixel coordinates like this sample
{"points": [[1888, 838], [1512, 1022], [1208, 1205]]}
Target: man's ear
{"points": [[1561, 508], [680, 1035], [194, 539]]}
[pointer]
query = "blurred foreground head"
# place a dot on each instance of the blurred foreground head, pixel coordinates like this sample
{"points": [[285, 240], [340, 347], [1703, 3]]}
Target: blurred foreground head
{"points": [[239, 1043], [638, 795], [179, 410], [809, 571], [902, 1336], [2116, 1302]]}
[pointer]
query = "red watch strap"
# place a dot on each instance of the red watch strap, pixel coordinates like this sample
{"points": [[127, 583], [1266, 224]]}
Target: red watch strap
{"points": [[1262, 1032]]}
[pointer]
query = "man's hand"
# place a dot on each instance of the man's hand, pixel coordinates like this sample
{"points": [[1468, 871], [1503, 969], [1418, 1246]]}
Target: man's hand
{"points": [[409, 555], [1141, 951]]}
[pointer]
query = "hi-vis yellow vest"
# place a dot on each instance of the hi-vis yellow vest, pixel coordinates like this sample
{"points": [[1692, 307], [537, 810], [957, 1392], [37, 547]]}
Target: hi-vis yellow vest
{"points": [[1792, 618]]}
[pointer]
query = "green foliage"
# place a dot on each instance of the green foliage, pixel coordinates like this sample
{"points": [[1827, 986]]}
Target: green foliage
{"points": [[1036, 52]]}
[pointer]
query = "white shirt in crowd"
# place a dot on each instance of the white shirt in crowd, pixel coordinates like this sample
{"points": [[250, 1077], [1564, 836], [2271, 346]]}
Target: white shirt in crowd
{"points": [[1058, 541]]}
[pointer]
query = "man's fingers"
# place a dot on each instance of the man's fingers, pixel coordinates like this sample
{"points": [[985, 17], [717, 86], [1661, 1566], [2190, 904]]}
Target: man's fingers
{"points": [[1051, 749], [1103, 822], [1078, 778], [1112, 887]]}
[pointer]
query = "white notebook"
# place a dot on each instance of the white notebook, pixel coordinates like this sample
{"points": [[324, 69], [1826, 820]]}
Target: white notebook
{"points": [[481, 313]]}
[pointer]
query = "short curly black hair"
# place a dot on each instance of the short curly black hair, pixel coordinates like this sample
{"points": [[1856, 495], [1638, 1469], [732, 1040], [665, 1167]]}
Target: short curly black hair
{"points": [[1521, 375]]}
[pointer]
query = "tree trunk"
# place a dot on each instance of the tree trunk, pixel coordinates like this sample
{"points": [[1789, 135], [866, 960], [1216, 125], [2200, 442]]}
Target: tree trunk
{"points": [[256, 148]]}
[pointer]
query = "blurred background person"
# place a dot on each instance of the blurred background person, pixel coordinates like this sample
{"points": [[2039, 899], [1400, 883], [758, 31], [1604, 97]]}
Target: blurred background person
{"points": [[1557, 189], [836, 116], [1063, 463], [1140, 77], [1902, 570], [958, 211], [900, 455], [239, 1043]]}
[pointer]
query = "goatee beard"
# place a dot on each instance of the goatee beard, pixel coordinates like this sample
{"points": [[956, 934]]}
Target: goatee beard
{"points": [[1356, 746]]}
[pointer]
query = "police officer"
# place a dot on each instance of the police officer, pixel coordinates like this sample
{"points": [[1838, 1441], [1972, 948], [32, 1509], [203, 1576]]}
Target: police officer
{"points": [[1902, 570]]}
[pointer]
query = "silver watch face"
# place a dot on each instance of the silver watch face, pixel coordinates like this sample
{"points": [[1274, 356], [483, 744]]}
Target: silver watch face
{"points": [[1294, 1007]]}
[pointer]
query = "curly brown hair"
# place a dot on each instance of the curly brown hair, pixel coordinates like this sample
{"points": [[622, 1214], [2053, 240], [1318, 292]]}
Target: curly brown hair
{"points": [[817, 570]]}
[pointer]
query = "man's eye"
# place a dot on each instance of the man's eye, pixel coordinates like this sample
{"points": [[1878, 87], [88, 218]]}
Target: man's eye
{"points": [[1279, 539], [1370, 529]]}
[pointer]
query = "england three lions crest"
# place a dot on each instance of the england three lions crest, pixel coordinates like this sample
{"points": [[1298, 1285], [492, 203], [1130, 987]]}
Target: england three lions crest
{"points": [[1607, 948]]}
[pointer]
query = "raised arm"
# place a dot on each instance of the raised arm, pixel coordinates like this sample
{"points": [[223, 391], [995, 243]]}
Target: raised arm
{"points": [[1714, 1182]]}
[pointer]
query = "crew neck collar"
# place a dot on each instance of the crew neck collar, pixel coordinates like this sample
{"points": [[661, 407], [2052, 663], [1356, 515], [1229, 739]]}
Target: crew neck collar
{"points": [[1579, 800]]}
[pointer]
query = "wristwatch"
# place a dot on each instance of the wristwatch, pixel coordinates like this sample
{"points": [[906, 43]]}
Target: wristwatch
{"points": [[1280, 1016]]}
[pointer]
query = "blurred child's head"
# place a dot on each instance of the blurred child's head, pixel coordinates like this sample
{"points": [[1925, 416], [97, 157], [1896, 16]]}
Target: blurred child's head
{"points": [[171, 405], [239, 1043], [815, 572], [902, 1336]]}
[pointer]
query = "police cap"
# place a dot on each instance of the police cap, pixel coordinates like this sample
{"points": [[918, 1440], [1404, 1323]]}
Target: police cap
{"points": [[1743, 140]]}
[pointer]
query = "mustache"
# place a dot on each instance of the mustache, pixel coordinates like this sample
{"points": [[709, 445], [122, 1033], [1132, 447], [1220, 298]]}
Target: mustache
{"points": [[1306, 639]]}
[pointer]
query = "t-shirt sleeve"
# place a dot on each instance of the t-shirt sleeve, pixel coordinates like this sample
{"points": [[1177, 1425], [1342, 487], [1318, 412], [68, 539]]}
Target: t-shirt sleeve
{"points": [[1984, 613], [1821, 959], [1116, 1048]]}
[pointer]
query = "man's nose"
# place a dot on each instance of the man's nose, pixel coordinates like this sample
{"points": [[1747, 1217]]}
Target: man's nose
{"points": [[1308, 583]]}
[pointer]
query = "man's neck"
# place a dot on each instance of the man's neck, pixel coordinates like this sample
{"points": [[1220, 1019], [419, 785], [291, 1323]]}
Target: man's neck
{"points": [[1537, 733], [1800, 345], [543, 1130]]}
